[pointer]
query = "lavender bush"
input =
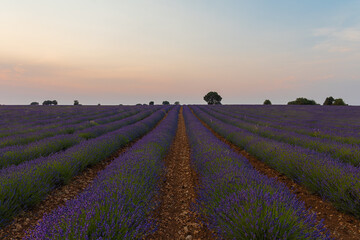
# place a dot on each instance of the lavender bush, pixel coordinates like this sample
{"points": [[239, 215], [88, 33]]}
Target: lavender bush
{"points": [[26, 184], [240, 203], [119, 202], [333, 180]]}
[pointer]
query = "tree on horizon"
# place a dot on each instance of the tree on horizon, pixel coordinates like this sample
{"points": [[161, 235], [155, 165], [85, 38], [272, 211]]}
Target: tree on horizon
{"points": [[212, 98]]}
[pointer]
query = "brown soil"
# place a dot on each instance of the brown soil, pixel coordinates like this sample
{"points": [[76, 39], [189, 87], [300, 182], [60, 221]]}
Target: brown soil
{"points": [[27, 220], [175, 218], [341, 225]]}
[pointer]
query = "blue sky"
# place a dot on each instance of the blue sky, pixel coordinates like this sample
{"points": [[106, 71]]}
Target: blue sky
{"points": [[135, 51]]}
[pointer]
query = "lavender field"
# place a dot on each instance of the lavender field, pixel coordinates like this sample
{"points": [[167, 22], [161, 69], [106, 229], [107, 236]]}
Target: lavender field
{"points": [[44, 147]]}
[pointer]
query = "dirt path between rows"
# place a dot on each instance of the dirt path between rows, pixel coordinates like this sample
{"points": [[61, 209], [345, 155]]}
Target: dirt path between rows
{"points": [[341, 225], [27, 220], [175, 218]]}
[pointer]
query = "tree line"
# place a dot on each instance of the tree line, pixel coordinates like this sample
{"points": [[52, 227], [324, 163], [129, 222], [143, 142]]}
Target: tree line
{"points": [[213, 98]]}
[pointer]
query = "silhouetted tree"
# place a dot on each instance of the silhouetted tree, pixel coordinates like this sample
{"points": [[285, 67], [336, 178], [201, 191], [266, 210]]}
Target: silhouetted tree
{"points": [[76, 102], [267, 102], [340, 102], [177, 103], [302, 101], [213, 98], [47, 102], [165, 103], [34, 103], [329, 101], [54, 102], [151, 103]]}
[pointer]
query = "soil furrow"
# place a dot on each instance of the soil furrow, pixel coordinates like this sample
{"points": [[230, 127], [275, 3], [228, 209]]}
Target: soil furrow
{"points": [[175, 218], [341, 225], [27, 220]]}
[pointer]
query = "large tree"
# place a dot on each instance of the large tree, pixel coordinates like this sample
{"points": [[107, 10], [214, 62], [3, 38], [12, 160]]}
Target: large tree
{"points": [[212, 98]]}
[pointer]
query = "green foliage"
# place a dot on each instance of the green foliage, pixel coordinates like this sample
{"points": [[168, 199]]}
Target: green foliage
{"points": [[340, 102], [76, 102], [267, 102], [165, 103], [49, 102], [213, 98], [302, 101], [177, 103], [151, 103], [329, 101]]}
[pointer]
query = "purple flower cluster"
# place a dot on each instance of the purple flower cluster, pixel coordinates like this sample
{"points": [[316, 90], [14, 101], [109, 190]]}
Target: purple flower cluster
{"points": [[240, 203], [18, 154], [119, 202], [344, 152], [26, 184], [28, 119], [332, 179], [64, 127], [337, 123]]}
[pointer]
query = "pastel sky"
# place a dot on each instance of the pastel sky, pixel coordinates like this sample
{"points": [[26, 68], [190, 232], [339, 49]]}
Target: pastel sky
{"points": [[135, 51]]}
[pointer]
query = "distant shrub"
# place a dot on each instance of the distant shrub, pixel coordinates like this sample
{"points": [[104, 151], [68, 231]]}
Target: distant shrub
{"points": [[177, 103], [267, 102], [34, 103], [49, 102], [329, 101], [76, 102], [165, 103], [340, 102], [302, 101], [151, 103]]}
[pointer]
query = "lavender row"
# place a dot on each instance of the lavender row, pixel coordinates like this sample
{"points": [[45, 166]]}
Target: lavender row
{"points": [[24, 185], [304, 116], [333, 180], [318, 123], [72, 118], [23, 129], [26, 138], [119, 202], [240, 203], [344, 152], [18, 154], [27, 118]]}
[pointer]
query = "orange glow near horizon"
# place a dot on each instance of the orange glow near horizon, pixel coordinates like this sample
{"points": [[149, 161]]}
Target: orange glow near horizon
{"points": [[144, 49]]}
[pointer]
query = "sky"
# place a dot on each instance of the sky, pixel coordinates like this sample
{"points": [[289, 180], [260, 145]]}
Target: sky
{"points": [[136, 51]]}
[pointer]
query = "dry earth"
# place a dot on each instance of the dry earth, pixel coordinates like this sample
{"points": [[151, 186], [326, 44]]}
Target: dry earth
{"points": [[178, 192]]}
